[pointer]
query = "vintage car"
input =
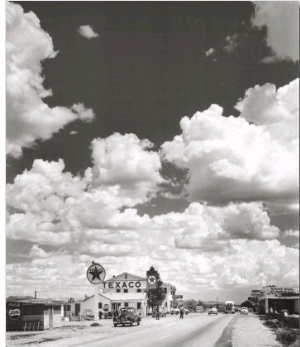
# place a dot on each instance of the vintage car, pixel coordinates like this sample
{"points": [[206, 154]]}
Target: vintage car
{"points": [[87, 315], [175, 311], [127, 315], [212, 310], [244, 310]]}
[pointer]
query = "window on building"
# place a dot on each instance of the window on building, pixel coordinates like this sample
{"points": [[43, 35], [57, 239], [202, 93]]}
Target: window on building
{"points": [[118, 290], [165, 290], [139, 305], [139, 290], [125, 304], [125, 290], [125, 276], [99, 304]]}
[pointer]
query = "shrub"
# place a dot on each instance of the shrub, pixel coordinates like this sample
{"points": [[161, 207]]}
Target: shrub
{"points": [[287, 337], [272, 323]]}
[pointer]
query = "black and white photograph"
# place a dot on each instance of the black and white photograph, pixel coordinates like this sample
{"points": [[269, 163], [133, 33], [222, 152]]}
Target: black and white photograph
{"points": [[151, 173]]}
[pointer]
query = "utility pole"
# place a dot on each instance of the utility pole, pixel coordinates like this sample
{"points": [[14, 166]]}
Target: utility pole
{"points": [[35, 294], [217, 303]]}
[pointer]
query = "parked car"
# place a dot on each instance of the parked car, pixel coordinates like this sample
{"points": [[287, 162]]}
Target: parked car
{"points": [[127, 315], [186, 311], [244, 310], [212, 310], [87, 315], [162, 312], [175, 311]]}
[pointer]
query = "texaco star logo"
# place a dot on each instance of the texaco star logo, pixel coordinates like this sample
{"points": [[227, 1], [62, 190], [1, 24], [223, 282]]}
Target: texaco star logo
{"points": [[95, 273], [152, 279]]}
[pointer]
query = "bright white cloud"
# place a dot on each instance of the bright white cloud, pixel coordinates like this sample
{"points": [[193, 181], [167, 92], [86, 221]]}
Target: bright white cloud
{"points": [[248, 263], [282, 21], [37, 252], [231, 159], [209, 228], [28, 117], [291, 233], [232, 42], [209, 52], [126, 162], [87, 32]]}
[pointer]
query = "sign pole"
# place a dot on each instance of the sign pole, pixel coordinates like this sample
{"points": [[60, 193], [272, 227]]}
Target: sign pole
{"points": [[95, 275], [96, 301]]}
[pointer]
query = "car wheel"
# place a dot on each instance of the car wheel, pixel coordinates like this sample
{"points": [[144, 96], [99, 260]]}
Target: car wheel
{"points": [[131, 323], [115, 324]]}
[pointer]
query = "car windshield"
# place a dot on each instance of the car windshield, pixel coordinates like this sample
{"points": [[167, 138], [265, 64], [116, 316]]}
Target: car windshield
{"points": [[127, 310]]}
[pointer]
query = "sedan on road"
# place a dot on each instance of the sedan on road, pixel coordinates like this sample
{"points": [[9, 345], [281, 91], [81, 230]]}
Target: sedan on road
{"points": [[212, 310], [244, 310]]}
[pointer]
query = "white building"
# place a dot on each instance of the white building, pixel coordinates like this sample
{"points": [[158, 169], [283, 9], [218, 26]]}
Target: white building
{"points": [[169, 291], [124, 290]]}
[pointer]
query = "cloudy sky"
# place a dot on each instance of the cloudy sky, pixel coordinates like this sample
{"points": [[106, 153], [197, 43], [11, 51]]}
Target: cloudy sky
{"points": [[152, 133]]}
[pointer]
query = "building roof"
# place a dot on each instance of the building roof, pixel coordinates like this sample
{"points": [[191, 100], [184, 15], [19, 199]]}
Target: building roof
{"points": [[130, 277], [121, 296], [125, 296]]}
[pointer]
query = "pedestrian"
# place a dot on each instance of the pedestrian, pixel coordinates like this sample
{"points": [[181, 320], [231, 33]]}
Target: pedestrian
{"points": [[157, 313], [181, 312]]}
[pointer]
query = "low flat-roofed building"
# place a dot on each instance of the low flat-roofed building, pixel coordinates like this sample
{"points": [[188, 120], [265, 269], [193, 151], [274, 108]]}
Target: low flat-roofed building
{"points": [[32, 315], [274, 299]]}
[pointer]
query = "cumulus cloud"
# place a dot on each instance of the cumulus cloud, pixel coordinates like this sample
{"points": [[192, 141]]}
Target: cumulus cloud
{"points": [[209, 52], [210, 228], [282, 21], [232, 42], [126, 162], [50, 206], [249, 263], [214, 244], [87, 32], [37, 252], [28, 117], [251, 157], [291, 233]]}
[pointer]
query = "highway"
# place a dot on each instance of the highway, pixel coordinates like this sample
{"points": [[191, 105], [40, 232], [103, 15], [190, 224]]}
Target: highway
{"points": [[192, 331]]}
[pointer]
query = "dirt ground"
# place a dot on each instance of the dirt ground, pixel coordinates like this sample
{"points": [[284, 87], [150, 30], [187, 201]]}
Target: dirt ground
{"points": [[248, 331]]}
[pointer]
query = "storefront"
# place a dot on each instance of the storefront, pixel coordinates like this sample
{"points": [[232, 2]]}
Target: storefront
{"points": [[29, 316], [276, 299]]}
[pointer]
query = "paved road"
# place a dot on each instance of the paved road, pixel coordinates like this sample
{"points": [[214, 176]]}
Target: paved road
{"points": [[192, 331]]}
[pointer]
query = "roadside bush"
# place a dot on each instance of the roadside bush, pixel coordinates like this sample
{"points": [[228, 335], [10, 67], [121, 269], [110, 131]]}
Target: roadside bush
{"points": [[287, 337], [272, 323], [296, 343]]}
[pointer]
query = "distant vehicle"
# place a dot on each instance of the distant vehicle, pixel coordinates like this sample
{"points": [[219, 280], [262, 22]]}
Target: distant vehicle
{"points": [[199, 309], [244, 310], [229, 307], [162, 312], [87, 315], [175, 311], [127, 315], [212, 310]]}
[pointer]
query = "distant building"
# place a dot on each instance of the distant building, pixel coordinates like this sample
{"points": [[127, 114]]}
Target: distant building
{"points": [[169, 291], [274, 299], [25, 315]]}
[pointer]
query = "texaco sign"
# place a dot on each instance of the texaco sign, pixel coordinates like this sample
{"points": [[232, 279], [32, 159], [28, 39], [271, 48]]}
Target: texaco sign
{"points": [[95, 273]]}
